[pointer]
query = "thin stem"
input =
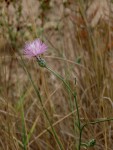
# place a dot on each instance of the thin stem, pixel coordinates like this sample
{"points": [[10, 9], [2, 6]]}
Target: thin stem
{"points": [[45, 112], [80, 139], [74, 95], [79, 123], [97, 121], [60, 77], [91, 123]]}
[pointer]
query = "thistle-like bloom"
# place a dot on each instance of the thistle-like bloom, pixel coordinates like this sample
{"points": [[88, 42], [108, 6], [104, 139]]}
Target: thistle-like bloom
{"points": [[35, 48]]}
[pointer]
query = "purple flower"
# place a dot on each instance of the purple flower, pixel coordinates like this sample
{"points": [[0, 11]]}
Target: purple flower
{"points": [[34, 48]]}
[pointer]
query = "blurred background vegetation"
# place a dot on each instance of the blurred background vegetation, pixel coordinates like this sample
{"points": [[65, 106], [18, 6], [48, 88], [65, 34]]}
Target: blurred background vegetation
{"points": [[79, 34]]}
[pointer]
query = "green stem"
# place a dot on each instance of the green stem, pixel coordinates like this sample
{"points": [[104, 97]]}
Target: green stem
{"points": [[96, 121], [92, 123], [74, 95], [60, 77], [80, 139], [45, 112]]}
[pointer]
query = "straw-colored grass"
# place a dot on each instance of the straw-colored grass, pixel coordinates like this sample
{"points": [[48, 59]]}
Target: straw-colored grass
{"points": [[37, 111]]}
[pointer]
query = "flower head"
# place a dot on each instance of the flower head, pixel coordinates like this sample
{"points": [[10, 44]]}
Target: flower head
{"points": [[34, 48]]}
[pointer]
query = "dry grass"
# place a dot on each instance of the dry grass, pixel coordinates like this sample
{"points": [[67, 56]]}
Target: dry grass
{"points": [[79, 52]]}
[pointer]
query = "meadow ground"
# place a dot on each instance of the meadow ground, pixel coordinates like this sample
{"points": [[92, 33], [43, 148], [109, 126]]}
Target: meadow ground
{"points": [[71, 106]]}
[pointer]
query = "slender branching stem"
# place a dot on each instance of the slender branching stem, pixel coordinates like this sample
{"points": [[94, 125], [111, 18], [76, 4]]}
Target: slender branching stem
{"points": [[74, 95]]}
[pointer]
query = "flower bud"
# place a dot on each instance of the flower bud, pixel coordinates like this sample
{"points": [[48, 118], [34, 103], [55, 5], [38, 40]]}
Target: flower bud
{"points": [[41, 62], [91, 143]]}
